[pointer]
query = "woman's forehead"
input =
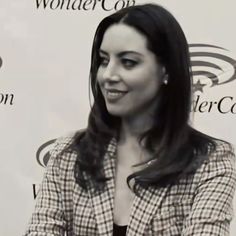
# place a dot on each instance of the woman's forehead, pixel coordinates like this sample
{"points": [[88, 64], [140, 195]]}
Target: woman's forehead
{"points": [[123, 37]]}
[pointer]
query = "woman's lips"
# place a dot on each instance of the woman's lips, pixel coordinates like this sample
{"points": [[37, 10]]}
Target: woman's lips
{"points": [[114, 95]]}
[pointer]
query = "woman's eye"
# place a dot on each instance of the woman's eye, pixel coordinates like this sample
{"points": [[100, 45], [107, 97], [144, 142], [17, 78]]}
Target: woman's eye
{"points": [[104, 61], [128, 63]]}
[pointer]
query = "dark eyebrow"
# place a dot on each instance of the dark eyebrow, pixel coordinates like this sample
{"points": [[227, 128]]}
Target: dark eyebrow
{"points": [[103, 52], [120, 54], [129, 52]]}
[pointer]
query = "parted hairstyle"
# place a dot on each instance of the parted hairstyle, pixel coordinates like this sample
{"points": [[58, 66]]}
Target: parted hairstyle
{"points": [[176, 147]]}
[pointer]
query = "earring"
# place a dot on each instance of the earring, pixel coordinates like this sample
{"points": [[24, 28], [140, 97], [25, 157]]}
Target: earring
{"points": [[165, 80]]}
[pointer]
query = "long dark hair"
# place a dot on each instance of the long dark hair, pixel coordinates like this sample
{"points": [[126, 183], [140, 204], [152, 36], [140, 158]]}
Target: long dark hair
{"points": [[176, 147]]}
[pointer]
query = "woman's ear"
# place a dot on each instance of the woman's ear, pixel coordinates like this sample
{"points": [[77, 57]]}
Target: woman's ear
{"points": [[165, 76], [163, 70]]}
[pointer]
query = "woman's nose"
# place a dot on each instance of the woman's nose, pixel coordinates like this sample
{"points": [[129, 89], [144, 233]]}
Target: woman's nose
{"points": [[111, 73]]}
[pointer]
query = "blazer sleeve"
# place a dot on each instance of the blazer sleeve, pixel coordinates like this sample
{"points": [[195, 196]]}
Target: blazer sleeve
{"points": [[212, 208], [48, 218]]}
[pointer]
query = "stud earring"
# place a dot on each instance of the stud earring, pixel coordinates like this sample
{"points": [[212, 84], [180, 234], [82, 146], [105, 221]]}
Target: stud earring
{"points": [[165, 80]]}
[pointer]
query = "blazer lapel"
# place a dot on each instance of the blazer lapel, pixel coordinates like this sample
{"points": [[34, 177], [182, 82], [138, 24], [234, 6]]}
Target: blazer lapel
{"points": [[144, 208], [103, 202]]}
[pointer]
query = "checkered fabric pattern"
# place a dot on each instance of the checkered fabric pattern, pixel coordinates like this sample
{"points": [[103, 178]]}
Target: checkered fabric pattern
{"points": [[200, 205]]}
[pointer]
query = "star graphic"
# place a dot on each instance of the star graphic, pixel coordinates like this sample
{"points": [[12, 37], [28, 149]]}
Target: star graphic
{"points": [[198, 86]]}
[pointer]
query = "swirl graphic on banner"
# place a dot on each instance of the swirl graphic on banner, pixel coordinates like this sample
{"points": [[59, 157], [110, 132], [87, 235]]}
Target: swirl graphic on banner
{"points": [[0, 62], [211, 66], [42, 154]]}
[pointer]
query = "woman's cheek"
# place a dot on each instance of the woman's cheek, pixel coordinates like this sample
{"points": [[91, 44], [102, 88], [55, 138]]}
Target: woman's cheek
{"points": [[99, 76]]}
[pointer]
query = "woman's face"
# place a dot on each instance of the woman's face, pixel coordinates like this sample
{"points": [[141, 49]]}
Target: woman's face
{"points": [[129, 75]]}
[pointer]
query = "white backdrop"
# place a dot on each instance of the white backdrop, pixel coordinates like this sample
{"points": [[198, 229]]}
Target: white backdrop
{"points": [[44, 64]]}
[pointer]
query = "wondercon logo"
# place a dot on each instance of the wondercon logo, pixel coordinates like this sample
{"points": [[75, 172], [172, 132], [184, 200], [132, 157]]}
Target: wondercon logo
{"points": [[211, 65], [5, 98], [43, 153], [83, 5]]}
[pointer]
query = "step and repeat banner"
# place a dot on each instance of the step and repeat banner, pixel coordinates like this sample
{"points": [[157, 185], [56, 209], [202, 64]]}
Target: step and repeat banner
{"points": [[45, 48]]}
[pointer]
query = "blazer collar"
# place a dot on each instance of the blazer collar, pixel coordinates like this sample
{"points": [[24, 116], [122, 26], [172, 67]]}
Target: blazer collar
{"points": [[143, 208]]}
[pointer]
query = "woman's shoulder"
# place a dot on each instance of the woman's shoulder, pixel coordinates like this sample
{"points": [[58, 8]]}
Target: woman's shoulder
{"points": [[221, 158], [222, 150], [218, 165], [62, 158], [61, 155], [63, 143]]}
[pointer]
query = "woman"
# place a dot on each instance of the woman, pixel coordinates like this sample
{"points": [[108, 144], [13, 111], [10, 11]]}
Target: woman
{"points": [[139, 168]]}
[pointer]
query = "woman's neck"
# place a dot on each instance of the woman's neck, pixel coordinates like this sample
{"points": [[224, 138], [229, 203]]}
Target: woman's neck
{"points": [[132, 129], [129, 142]]}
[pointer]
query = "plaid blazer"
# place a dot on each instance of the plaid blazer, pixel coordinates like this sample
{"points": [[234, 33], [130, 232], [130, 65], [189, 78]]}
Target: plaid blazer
{"points": [[199, 205]]}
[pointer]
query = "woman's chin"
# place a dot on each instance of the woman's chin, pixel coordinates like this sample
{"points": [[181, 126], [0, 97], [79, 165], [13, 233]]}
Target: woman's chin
{"points": [[116, 112]]}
